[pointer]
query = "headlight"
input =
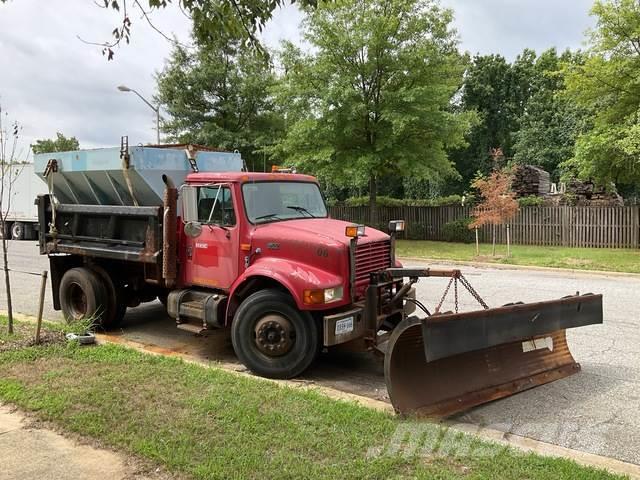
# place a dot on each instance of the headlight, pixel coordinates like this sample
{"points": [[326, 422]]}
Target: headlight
{"points": [[320, 295], [332, 294]]}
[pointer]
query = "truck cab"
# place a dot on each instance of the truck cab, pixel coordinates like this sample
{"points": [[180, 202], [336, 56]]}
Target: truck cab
{"points": [[284, 276]]}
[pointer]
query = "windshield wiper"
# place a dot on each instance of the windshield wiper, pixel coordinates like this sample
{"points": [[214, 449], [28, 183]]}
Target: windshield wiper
{"points": [[268, 215], [301, 210]]}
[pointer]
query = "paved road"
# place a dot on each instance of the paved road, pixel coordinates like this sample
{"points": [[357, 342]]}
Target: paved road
{"points": [[594, 411]]}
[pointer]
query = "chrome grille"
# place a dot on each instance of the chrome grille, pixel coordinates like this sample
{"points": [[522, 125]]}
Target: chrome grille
{"points": [[370, 257]]}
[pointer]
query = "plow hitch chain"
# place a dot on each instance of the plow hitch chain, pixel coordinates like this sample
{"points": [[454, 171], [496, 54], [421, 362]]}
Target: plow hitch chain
{"points": [[449, 362]]}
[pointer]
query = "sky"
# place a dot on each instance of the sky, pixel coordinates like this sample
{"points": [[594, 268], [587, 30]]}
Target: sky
{"points": [[50, 81]]}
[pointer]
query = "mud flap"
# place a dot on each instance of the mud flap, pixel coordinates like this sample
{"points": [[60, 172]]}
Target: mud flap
{"points": [[446, 364]]}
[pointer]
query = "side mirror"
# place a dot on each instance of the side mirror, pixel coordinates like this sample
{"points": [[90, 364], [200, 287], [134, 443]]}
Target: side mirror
{"points": [[192, 229], [189, 196]]}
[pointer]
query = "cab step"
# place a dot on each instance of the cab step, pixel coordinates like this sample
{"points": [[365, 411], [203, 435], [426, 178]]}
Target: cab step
{"points": [[193, 328], [197, 310]]}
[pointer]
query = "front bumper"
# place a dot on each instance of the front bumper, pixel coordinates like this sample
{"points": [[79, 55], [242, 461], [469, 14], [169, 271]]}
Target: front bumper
{"points": [[351, 323]]}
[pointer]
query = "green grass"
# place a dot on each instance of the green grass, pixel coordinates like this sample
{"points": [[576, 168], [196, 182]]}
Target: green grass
{"points": [[208, 423], [606, 259]]}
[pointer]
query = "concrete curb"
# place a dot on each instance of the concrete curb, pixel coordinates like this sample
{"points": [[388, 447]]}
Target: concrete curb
{"points": [[524, 444], [502, 266]]}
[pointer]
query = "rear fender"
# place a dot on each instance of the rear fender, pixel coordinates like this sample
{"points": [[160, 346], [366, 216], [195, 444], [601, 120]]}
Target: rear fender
{"points": [[292, 276]]}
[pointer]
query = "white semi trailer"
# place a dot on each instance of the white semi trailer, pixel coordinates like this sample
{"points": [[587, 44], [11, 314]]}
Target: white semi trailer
{"points": [[20, 187]]}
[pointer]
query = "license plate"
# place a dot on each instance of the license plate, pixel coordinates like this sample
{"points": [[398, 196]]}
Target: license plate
{"points": [[344, 326]]}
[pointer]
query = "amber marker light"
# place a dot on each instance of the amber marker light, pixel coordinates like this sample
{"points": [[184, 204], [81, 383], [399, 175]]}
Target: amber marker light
{"points": [[313, 297], [353, 231]]}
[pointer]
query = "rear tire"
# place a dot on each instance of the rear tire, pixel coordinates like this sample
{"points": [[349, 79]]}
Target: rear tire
{"points": [[17, 231], [272, 337], [82, 296], [115, 308]]}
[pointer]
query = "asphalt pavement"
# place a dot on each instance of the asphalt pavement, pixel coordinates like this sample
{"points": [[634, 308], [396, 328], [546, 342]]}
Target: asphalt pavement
{"points": [[595, 411]]}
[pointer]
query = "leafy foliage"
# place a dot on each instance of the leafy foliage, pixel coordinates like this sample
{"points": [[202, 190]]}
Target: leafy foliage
{"points": [[551, 121], [498, 203], [498, 91], [531, 201], [607, 82], [384, 201], [373, 98], [228, 20], [218, 95], [523, 112], [58, 144], [458, 231]]}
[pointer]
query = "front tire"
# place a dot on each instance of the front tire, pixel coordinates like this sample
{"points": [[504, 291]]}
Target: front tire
{"points": [[82, 296], [272, 337]]}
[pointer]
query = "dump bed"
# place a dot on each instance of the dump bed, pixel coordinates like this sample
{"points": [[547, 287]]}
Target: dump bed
{"points": [[104, 176], [109, 201]]}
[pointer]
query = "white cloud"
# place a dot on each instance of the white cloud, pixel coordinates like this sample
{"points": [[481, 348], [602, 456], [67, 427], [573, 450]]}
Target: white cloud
{"points": [[50, 81], [509, 26]]}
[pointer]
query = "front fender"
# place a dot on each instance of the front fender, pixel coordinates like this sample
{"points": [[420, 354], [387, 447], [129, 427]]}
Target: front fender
{"points": [[295, 277]]}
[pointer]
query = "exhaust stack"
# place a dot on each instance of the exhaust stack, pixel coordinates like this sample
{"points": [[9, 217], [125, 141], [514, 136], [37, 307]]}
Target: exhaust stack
{"points": [[169, 232]]}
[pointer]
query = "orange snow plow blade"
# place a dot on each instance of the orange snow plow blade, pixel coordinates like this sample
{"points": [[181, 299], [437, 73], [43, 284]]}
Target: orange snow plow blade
{"points": [[448, 363]]}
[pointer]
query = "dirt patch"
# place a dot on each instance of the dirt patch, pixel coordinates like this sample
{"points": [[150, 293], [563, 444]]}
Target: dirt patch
{"points": [[489, 258], [47, 338]]}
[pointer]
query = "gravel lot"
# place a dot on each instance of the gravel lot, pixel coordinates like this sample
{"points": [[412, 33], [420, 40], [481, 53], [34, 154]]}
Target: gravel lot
{"points": [[594, 411]]}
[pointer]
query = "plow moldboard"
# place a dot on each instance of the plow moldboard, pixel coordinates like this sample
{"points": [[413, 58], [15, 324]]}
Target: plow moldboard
{"points": [[454, 384]]}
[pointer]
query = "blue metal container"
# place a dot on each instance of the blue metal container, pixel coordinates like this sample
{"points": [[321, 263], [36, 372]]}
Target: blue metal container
{"points": [[103, 177]]}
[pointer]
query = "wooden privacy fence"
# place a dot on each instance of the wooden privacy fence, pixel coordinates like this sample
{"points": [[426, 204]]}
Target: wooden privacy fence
{"points": [[601, 227]]}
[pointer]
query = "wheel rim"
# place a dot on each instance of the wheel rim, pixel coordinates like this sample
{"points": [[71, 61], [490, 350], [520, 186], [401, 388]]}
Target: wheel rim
{"points": [[274, 335], [77, 301]]}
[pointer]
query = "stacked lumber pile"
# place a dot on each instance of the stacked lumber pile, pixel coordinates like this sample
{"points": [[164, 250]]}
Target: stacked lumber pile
{"points": [[529, 180], [589, 194]]}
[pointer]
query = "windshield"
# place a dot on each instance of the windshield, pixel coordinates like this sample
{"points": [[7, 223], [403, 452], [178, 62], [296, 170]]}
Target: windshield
{"points": [[272, 201]]}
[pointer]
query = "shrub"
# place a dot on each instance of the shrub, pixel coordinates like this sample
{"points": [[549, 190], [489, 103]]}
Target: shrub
{"points": [[531, 201], [416, 231], [458, 231], [383, 201]]}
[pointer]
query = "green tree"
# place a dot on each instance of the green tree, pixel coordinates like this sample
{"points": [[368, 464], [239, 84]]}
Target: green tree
{"points": [[218, 95], [373, 98], [486, 91], [607, 82], [58, 144], [550, 122]]}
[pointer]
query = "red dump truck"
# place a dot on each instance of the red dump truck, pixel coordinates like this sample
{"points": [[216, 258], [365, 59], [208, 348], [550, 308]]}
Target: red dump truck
{"points": [[258, 253]]}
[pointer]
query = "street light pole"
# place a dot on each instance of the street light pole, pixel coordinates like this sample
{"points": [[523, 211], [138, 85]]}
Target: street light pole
{"points": [[124, 88]]}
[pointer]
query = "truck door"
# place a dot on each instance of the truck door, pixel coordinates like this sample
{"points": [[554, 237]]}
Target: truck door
{"points": [[211, 258]]}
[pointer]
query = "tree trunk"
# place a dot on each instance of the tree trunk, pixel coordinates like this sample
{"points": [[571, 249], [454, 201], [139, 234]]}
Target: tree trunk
{"points": [[477, 244], [373, 209], [493, 250], [7, 280]]}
